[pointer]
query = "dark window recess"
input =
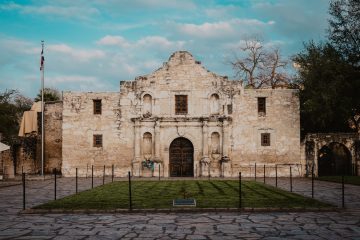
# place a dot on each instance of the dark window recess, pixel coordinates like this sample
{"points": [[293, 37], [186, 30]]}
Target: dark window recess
{"points": [[262, 105], [97, 106], [229, 108], [181, 106], [97, 140], [265, 139]]}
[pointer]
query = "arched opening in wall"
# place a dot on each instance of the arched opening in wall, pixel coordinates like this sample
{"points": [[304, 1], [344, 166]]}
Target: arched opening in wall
{"points": [[181, 158], [215, 145], [147, 145], [214, 104], [334, 159], [147, 105]]}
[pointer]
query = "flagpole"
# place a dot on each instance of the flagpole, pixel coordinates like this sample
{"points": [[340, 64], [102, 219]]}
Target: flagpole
{"points": [[42, 108]]}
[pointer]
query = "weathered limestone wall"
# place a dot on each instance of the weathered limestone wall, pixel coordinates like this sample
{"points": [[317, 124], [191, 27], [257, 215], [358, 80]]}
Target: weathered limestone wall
{"points": [[53, 136], [79, 126], [222, 123], [282, 121]]}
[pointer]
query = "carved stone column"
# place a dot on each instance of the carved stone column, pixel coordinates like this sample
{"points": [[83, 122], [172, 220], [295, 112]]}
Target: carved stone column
{"points": [[157, 141], [225, 160], [137, 149], [225, 139], [315, 163], [205, 160]]}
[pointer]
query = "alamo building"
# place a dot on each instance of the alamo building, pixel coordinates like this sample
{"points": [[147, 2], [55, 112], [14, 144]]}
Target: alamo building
{"points": [[178, 121]]}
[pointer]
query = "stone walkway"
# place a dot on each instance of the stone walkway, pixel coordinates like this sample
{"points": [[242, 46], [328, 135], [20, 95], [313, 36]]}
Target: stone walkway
{"points": [[342, 224]]}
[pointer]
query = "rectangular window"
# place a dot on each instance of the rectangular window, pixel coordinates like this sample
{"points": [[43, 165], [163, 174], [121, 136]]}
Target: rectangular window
{"points": [[230, 108], [262, 106], [265, 139], [97, 106], [97, 140], [181, 106]]}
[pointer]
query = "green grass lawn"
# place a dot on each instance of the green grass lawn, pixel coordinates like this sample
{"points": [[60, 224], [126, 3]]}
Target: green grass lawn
{"points": [[160, 194], [355, 180]]}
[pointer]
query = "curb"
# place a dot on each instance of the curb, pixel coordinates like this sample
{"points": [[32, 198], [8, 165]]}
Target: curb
{"points": [[174, 210]]}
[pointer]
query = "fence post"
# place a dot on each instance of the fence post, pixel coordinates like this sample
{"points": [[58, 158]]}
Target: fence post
{"points": [[76, 180], [130, 200], [290, 180], [240, 204], [112, 173], [342, 191], [312, 181], [55, 184], [255, 172], [275, 175], [23, 182], [92, 176], [209, 171], [159, 171], [104, 175], [264, 173]]}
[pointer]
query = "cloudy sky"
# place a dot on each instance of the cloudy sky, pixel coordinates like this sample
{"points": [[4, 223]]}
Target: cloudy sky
{"points": [[90, 45]]}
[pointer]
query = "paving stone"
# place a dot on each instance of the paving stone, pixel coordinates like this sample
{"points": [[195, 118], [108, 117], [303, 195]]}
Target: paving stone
{"points": [[267, 225]]}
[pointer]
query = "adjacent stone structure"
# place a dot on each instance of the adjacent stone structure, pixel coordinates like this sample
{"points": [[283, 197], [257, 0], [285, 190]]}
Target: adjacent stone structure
{"points": [[331, 153], [181, 120]]}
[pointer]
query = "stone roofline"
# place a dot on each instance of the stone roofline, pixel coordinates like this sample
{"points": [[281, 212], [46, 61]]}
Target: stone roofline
{"points": [[215, 118], [82, 92], [333, 134], [175, 59]]}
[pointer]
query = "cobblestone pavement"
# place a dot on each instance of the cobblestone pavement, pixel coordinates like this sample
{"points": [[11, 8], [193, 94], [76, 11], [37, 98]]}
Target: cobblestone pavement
{"points": [[342, 224]]}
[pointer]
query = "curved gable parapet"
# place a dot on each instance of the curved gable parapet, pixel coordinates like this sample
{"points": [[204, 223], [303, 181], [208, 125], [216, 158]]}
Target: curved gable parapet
{"points": [[182, 72], [181, 69]]}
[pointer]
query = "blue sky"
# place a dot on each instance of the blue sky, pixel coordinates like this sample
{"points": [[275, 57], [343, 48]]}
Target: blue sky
{"points": [[90, 45]]}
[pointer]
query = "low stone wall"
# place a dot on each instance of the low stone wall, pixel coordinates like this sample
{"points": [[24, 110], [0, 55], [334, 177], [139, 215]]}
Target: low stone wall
{"points": [[6, 164]]}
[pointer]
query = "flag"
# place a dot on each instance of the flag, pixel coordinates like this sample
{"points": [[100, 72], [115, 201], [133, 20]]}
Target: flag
{"points": [[42, 60]]}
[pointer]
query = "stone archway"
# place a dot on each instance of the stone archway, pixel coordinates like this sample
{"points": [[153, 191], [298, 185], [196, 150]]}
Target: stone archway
{"points": [[181, 158], [334, 159]]}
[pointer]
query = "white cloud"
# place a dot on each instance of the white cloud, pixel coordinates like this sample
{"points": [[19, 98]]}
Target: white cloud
{"points": [[72, 79], [223, 29], [158, 42], [220, 11], [76, 12], [80, 54], [113, 40]]}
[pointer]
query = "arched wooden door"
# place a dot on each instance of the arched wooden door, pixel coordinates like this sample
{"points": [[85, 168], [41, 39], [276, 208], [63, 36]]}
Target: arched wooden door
{"points": [[181, 155]]}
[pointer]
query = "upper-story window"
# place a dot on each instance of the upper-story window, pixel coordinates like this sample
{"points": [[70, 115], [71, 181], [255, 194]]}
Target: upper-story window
{"points": [[214, 104], [181, 104], [97, 106], [262, 106], [147, 105]]}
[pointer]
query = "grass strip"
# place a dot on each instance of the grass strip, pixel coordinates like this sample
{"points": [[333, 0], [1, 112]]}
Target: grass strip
{"points": [[160, 194]]}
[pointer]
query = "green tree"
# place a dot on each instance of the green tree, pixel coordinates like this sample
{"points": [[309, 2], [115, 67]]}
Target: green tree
{"points": [[344, 29], [326, 99], [12, 106], [50, 95]]}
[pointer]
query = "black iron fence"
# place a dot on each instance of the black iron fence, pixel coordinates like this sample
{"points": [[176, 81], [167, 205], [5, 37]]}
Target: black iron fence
{"points": [[270, 175]]}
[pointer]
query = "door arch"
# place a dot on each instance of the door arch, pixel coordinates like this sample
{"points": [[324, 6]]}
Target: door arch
{"points": [[181, 158], [334, 159]]}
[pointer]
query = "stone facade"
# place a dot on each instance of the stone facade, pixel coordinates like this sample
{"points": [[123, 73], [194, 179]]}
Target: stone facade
{"points": [[143, 122]]}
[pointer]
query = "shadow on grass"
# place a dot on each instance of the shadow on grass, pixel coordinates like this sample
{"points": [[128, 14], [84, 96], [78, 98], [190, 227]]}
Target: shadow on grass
{"points": [[159, 195]]}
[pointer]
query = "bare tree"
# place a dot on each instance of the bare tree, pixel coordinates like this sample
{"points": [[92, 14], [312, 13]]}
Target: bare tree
{"points": [[259, 67], [275, 75]]}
